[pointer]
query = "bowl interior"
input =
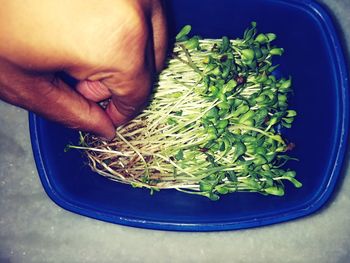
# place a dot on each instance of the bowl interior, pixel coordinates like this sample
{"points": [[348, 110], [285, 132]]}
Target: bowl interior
{"points": [[308, 58]]}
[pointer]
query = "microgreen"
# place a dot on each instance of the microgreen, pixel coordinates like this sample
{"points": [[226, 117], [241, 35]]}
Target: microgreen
{"points": [[212, 127]]}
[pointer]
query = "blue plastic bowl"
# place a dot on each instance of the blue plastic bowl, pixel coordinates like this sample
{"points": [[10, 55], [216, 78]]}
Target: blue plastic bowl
{"points": [[313, 56]]}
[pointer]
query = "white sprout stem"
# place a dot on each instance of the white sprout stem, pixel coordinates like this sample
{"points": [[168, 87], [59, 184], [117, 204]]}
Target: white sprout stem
{"points": [[144, 147]]}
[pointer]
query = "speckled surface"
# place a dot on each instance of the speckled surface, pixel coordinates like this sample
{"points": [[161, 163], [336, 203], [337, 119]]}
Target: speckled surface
{"points": [[34, 229]]}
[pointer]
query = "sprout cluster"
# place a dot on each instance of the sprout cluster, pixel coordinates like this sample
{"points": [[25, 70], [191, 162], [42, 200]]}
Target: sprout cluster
{"points": [[212, 126]]}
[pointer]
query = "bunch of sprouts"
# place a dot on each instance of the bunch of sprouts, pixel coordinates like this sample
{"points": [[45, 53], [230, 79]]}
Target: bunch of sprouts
{"points": [[212, 126]]}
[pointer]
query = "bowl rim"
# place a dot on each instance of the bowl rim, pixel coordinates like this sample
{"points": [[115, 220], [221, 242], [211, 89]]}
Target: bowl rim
{"points": [[309, 207]]}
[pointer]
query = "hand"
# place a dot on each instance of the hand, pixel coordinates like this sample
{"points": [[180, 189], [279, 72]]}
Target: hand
{"points": [[112, 47]]}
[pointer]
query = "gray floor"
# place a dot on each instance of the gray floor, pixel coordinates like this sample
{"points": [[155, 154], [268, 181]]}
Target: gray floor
{"points": [[34, 229]]}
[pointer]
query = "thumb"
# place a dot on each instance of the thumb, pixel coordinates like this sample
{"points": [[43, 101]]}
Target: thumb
{"points": [[77, 112], [127, 97], [52, 98]]}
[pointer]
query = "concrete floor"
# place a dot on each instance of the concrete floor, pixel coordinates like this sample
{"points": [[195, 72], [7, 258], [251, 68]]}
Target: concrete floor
{"points": [[34, 229]]}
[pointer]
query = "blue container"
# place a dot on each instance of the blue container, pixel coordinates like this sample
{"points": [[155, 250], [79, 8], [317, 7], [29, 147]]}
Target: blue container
{"points": [[314, 58]]}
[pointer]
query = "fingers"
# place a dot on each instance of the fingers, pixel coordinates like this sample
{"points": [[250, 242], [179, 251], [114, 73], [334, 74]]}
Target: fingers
{"points": [[129, 94], [53, 99], [160, 34], [130, 62], [131, 89], [72, 109], [127, 72], [124, 47], [93, 90]]}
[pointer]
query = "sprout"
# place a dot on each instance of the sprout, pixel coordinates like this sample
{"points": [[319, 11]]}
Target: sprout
{"points": [[274, 190], [212, 125], [277, 51], [192, 43], [248, 55], [261, 38], [271, 36], [182, 35]]}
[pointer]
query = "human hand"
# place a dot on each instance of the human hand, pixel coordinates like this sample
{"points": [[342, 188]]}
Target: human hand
{"points": [[112, 47]]}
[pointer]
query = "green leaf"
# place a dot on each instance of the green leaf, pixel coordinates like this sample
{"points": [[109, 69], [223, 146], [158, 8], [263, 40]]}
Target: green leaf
{"points": [[273, 68], [291, 174], [136, 185], [277, 137], [240, 149], [213, 90], [230, 175], [291, 113], [222, 189], [179, 155], [182, 35], [259, 160], [192, 43], [262, 99], [212, 133], [249, 33], [248, 122], [268, 182], [288, 120], [287, 125], [248, 54], [262, 78], [270, 156], [216, 71], [261, 151], [271, 36], [178, 113], [276, 51], [285, 84], [225, 44], [247, 116], [227, 144], [224, 105], [230, 85], [274, 190], [243, 108], [260, 116], [226, 70], [212, 113], [205, 186], [282, 98], [171, 121], [213, 197], [251, 183], [175, 95], [222, 124], [294, 181], [261, 38], [258, 53]]}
